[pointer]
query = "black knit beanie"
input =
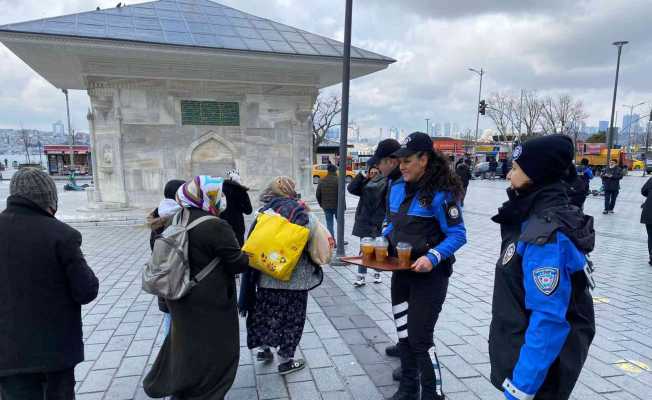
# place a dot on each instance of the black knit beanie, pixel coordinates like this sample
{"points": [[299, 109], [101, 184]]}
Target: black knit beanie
{"points": [[35, 185], [171, 188], [545, 159]]}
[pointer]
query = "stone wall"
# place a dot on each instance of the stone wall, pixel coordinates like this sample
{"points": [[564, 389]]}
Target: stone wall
{"points": [[140, 143]]}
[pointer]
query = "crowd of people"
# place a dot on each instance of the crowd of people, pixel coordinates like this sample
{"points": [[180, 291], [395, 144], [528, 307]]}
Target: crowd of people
{"points": [[542, 313]]}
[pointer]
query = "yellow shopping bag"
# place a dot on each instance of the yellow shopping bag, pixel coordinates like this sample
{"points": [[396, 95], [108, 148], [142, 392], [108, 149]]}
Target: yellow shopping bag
{"points": [[275, 246]]}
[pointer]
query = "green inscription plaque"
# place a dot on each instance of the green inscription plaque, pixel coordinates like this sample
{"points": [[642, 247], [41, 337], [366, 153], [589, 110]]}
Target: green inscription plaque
{"points": [[210, 113]]}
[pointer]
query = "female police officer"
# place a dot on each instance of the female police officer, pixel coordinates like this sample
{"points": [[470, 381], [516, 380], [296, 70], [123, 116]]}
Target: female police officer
{"points": [[542, 317], [423, 211]]}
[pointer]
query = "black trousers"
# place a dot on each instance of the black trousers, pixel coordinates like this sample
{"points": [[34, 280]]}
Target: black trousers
{"points": [[610, 200], [649, 240], [417, 300], [58, 385]]}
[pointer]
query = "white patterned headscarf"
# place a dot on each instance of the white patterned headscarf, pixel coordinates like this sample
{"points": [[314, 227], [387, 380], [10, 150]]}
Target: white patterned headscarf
{"points": [[204, 192], [233, 174]]}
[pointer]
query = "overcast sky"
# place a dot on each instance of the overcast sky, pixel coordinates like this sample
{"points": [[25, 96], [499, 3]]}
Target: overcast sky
{"points": [[553, 46]]}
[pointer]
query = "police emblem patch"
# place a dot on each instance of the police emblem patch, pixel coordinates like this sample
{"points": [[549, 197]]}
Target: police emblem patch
{"points": [[454, 212], [509, 253], [546, 279], [517, 152]]}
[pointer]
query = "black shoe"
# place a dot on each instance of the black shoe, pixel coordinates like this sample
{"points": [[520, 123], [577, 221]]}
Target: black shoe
{"points": [[392, 351], [397, 374], [611, 211], [291, 366], [265, 355], [650, 262], [605, 212]]}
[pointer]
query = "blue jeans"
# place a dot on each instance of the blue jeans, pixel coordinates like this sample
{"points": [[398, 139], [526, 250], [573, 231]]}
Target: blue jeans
{"points": [[330, 215]]}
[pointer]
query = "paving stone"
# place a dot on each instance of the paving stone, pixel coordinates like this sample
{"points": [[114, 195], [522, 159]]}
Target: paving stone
{"points": [[109, 360], [317, 358], [97, 381], [132, 366], [327, 379], [303, 391], [310, 341], [348, 365], [362, 388], [336, 347], [271, 386], [140, 348], [242, 394], [123, 388]]}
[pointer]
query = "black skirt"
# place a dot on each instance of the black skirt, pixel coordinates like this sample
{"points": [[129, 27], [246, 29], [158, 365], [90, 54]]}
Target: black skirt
{"points": [[277, 320]]}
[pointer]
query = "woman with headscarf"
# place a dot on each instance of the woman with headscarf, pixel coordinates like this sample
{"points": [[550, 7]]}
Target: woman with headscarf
{"points": [[199, 358], [276, 310]]}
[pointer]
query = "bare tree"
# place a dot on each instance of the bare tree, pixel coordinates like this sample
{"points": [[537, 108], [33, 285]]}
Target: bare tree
{"points": [[532, 109], [498, 109], [26, 140], [323, 118], [562, 115]]}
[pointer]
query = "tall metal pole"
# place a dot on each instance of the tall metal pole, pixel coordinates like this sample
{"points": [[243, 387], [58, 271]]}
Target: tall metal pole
{"points": [[428, 126], [631, 122], [610, 134], [477, 110], [346, 78], [70, 138]]}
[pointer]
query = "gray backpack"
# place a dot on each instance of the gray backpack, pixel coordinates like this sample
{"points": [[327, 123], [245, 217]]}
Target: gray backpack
{"points": [[167, 274]]}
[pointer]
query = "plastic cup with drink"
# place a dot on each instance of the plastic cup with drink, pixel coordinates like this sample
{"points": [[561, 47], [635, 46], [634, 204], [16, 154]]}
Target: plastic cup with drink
{"points": [[404, 251], [381, 249], [367, 249]]}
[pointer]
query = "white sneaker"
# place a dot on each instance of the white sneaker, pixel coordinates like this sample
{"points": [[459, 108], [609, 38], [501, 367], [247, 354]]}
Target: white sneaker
{"points": [[360, 281], [377, 278]]}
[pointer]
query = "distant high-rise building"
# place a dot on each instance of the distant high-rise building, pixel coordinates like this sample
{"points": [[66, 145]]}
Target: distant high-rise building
{"points": [[603, 126], [630, 123], [58, 128], [437, 129], [447, 129], [455, 129]]}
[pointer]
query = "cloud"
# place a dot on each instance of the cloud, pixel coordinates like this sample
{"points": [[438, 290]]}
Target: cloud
{"points": [[550, 46]]}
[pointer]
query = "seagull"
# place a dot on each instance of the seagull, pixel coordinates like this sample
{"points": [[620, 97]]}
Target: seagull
{"points": [[119, 5], [98, 8]]}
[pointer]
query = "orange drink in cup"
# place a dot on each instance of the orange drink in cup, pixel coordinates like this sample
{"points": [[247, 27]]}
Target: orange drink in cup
{"points": [[367, 249], [380, 247], [404, 251]]}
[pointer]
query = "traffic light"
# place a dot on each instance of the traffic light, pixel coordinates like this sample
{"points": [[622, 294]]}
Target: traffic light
{"points": [[482, 109]]}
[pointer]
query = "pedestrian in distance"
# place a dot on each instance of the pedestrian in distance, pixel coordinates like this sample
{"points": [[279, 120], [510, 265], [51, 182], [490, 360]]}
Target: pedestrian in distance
{"points": [[276, 310], [542, 311], [493, 167], [611, 177], [157, 221], [505, 168], [199, 357], [370, 213], [327, 197], [424, 212], [45, 281], [580, 186], [238, 203], [646, 215], [463, 171]]}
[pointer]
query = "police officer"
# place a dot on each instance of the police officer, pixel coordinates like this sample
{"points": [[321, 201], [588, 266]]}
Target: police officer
{"points": [[542, 315], [424, 211]]}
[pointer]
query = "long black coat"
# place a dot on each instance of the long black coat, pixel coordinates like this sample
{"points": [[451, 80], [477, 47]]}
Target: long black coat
{"points": [[199, 358], [44, 280], [370, 213], [646, 212], [327, 192], [237, 204]]}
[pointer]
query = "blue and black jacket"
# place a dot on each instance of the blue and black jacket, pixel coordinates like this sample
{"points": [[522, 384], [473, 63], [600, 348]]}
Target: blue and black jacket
{"points": [[435, 230], [542, 313]]}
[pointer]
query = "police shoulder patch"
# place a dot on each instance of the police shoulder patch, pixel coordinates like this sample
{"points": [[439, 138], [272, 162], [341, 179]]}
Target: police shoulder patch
{"points": [[546, 279], [453, 214]]}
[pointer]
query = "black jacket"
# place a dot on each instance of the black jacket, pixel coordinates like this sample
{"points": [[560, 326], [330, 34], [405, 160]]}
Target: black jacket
{"points": [[199, 358], [646, 212], [237, 204], [327, 192], [464, 172], [44, 280], [370, 214], [611, 179]]}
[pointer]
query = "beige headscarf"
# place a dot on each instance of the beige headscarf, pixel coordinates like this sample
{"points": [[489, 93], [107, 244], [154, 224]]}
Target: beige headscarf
{"points": [[281, 186]]}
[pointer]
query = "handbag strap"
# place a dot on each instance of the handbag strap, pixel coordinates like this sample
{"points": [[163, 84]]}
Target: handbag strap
{"points": [[198, 221]]}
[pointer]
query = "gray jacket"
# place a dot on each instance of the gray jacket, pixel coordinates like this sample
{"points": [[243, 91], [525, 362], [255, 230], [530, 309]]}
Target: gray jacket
{"points": [[306, 276]]}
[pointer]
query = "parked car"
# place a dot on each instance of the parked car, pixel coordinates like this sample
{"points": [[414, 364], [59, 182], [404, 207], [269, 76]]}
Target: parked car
{"points": [[321, 170], [481, 170]]}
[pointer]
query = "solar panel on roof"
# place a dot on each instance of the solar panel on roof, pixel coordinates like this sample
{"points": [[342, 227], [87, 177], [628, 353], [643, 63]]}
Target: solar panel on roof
{"points": [[191, 23]]}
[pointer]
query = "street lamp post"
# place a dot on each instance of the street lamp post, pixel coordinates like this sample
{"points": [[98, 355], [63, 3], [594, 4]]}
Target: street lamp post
{"points": [[346, 81], [610, 134], [629, 126], [70, 138], [428, 126], [477, 111]]}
